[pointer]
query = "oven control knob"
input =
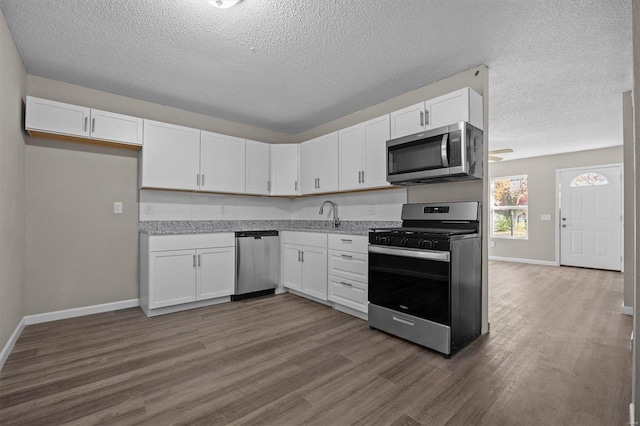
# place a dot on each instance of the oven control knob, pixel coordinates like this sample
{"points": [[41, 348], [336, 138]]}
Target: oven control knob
{"points": [[384, 240], [434, 243], [425, 244], [404, 241]]}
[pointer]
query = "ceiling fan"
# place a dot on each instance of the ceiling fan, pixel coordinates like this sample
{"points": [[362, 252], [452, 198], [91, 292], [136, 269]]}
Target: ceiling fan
{"points": [[498, 151]]}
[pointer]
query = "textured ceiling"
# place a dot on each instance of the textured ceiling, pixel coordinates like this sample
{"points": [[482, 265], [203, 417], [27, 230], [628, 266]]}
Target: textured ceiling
{"points": [[556, 69]]}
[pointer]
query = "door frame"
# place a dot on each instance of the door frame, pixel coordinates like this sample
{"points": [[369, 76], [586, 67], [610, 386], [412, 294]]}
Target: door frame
{"points": [[557, 220]]}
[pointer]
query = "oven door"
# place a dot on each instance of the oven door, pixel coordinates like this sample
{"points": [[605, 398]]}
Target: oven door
{"points": [[414, 282]]}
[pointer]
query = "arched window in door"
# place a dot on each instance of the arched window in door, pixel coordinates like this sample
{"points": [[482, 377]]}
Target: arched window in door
{"points": [[589, 179]]}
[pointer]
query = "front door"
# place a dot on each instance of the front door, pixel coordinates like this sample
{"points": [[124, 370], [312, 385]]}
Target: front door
{"points": [[591, 217]]}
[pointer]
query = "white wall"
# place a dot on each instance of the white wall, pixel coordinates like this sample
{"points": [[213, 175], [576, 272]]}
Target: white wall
{"points": [[382, 205]]}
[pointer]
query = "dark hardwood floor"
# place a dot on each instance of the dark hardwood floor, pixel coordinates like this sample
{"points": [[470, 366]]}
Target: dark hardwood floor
{"points": [[557, 354]]}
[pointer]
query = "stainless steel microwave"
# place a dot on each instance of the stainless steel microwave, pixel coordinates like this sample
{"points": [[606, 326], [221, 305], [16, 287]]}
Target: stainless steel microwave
{"points": [[443, 154]]}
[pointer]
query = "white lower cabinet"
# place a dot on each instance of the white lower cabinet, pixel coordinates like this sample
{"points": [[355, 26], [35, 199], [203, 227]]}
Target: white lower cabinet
{"points": [[348, 269], [180, 272], [304, 263]]}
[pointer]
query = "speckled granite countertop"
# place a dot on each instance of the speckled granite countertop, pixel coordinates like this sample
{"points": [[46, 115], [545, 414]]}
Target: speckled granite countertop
{"points": [[168, 227]]}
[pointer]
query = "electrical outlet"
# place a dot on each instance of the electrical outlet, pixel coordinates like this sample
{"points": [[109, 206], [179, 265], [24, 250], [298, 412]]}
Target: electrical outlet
{"points": [[371, 210], [117, 207], [223, 210], [492, 243], [148, 208]]}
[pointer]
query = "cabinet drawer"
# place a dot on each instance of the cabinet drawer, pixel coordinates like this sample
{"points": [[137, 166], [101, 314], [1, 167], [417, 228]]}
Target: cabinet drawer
{"points": [[349, 293], [191, 242], [349, 265], [313, 239], [352, 243]]}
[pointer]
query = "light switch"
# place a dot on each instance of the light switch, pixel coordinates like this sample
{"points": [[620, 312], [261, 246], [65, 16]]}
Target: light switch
{"points": [[223, 210], [545, 217], [148, 208], [117, 207], [371, 210]]}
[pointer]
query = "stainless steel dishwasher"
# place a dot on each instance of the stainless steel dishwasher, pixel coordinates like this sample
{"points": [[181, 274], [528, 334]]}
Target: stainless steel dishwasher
{"points": [[257, 263]]}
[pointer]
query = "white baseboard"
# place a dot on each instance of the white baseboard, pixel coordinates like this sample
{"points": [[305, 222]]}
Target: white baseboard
{"points": [[627, 310], [519, 260], [79, 312], [11, 342]]}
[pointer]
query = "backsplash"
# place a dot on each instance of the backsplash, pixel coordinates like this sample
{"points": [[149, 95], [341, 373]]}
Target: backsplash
{"points": [[384, 205]]}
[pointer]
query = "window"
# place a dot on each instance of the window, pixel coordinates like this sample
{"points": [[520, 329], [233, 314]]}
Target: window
{"points": [[509, 207], [589, 179]]}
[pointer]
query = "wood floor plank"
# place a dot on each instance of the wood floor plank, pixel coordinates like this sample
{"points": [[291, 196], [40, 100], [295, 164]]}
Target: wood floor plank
{"points": [[558, 353]]}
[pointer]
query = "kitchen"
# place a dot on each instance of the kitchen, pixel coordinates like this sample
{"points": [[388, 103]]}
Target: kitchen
{"points": [[110, 258]]}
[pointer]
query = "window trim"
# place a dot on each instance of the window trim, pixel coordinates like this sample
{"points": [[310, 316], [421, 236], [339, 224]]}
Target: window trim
{"points": [[493, 208]]}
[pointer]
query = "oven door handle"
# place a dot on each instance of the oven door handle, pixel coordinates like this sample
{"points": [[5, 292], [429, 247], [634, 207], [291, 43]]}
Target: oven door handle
{"points": [[440, 256]]}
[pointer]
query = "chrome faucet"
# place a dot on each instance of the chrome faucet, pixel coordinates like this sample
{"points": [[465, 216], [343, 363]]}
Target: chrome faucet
{"points": [[336, 219]]}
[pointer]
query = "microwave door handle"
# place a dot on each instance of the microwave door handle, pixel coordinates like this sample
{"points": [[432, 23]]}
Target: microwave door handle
{"points": [[443, 150]]}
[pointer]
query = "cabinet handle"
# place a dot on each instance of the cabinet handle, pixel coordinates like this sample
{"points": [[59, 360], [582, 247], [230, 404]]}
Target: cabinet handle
{"points": [[198, 261], [203, 179], [268, 186], [86, 119], [345, 240], [93, 125], [347, 284], [363, 176], [295, 186], [299, 258], [302, 255], [427, 116], [198, 179], [318, 183], [404, 321], [421, 118], [359, 177], [346, 256], [194, 260]]}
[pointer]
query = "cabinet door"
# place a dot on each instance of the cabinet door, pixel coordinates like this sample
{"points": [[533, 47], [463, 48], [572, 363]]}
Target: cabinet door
{"points": [[257, 168], [407, 121], [222, 163], [56, 117], [326, 149], [292, 266], [376, 135], [314, 275], [308, 168], [216, 272], [110, 126], [172, 278], [284, 169], [171, 156], [350, 157], [447, 109]]}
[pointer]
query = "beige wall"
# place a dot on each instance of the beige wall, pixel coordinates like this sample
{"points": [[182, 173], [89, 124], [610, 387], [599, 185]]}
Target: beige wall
{"points": [[541, 245], [629, 200], [12, 89], [635, 373], [478, 79], [78, 252]]}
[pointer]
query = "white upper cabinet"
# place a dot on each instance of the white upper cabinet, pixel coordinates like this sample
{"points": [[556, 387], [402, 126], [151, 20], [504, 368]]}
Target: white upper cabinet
{"points": [[461, 105], [56, 117], [376, 135], [222, 163], [109, 126], [363, 154], [257, 168], [50, 117], [407, 121], [319, 164], [284, 169], [171, 156], [351, 157]]}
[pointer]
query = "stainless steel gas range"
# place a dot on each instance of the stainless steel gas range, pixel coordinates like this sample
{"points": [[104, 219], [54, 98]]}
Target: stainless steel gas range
{"points": [[425, 277]]}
